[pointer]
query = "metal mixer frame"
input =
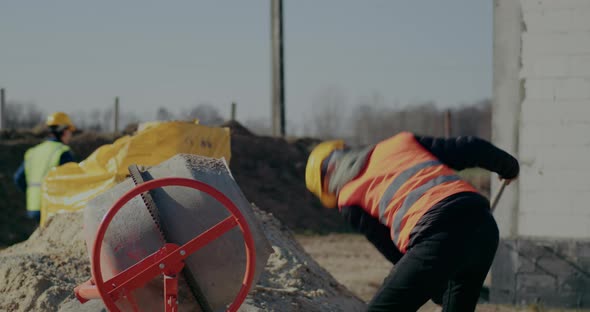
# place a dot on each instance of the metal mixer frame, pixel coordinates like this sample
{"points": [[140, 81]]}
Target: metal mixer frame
{"points": [[168, 260]]}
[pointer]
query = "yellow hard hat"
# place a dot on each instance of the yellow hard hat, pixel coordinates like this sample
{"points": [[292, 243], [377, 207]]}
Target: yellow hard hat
{"points": [[313, 171], [60, 119]]}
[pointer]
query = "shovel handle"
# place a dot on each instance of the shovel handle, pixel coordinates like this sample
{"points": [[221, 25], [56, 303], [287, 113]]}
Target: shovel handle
{"points": [[496, 198]]}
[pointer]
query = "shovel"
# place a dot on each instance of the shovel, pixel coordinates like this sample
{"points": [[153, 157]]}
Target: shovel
{"points": [[496, 198]]}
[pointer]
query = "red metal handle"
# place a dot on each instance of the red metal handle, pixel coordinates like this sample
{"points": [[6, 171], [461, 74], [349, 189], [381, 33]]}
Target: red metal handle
{"points": [[174, 181], [86, 291]]}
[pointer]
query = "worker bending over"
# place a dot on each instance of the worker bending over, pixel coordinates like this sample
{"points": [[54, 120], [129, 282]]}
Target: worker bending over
{"points": [[405, 197], [42, 157]]}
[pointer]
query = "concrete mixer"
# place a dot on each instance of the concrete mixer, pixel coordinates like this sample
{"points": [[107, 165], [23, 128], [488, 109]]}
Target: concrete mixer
{"points": [[179, 236]]}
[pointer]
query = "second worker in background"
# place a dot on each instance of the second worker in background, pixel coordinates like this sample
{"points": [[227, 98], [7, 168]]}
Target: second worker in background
{"points": [[43, 157]]}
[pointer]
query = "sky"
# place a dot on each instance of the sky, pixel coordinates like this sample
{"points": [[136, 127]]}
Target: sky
{"points": [[74, 56]]}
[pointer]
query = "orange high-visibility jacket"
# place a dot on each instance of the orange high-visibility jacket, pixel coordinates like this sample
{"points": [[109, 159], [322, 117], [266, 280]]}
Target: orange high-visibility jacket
{"points": [[400, 182]]}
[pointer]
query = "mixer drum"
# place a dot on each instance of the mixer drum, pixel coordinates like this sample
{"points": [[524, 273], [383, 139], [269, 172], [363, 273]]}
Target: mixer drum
{"points": [[218, 268]]}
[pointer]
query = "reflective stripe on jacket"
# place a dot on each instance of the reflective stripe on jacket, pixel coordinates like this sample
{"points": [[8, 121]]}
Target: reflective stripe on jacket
{"points": [[38, 161], [400, 182]]}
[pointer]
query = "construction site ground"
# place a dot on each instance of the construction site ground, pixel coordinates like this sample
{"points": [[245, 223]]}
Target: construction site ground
{"points": [[356, 264]]}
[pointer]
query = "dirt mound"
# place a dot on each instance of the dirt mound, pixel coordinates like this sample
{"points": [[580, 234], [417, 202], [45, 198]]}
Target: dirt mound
{"points": [[271, 173], [236, 128], [40, 274], [12, 134]]}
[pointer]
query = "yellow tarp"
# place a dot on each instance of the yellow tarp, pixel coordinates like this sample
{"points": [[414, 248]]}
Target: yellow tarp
{"points": [[69, 187]]}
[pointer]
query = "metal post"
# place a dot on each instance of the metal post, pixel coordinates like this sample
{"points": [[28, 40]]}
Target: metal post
{"points": [[448, 125], [116, 114], [233, 111], [278, 93], [2, 109]]}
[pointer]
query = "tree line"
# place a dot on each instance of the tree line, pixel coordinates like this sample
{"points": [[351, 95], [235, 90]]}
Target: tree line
{"points": [[372, 118], [21, 115], [367, 122]]}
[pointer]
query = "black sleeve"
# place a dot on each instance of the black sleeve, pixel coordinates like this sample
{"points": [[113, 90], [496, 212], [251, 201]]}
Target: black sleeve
{"points": [[377, 233], [66, 157], [20, 178], [468, 151]]}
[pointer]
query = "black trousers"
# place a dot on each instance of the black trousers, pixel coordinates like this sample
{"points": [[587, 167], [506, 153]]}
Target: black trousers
{"points": [[447, 260]]}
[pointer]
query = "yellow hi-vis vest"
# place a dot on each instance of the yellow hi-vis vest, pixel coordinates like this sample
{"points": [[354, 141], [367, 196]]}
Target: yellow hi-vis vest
{"points": [[38, 161]]}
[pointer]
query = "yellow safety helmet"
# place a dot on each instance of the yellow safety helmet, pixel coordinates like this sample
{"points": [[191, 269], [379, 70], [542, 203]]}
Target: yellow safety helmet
{"points": [[60, 119], [313, 171]]}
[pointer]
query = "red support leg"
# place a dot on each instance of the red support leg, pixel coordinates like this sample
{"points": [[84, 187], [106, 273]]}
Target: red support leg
{"points": [[171, 293]]}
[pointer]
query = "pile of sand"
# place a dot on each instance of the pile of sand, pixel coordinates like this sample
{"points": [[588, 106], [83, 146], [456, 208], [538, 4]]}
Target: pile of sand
{"points": [[41, 273]]}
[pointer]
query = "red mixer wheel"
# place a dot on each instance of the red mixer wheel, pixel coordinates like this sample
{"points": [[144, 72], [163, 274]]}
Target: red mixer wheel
{"points": [[148, 266]]}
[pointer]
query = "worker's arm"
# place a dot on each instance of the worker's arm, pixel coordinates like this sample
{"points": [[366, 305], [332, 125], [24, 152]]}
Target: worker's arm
{"points": [[468, 152], [377, 233], [19, 178], [66, 157]]}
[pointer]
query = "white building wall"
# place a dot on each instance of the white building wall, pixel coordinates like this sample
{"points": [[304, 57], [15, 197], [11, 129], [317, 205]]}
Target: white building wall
{"points": [[507, 100], [554, 120]]}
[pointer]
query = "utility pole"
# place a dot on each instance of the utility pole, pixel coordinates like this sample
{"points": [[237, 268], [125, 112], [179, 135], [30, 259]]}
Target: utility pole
{"points": [[2, 109], [116, 114], [278, 82], [233, 111], [448, 125]]}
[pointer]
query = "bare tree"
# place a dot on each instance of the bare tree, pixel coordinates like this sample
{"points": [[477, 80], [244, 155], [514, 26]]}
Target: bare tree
{"points": [[424, 119], [23, 115], [364, 121], [308, 127], [95, 123], [164, 114], [79, 119], [129, 118], [373, 120], [108, 122], [206, 113], [293, 129], [473, 119], [259, 126], [328, 113]]}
